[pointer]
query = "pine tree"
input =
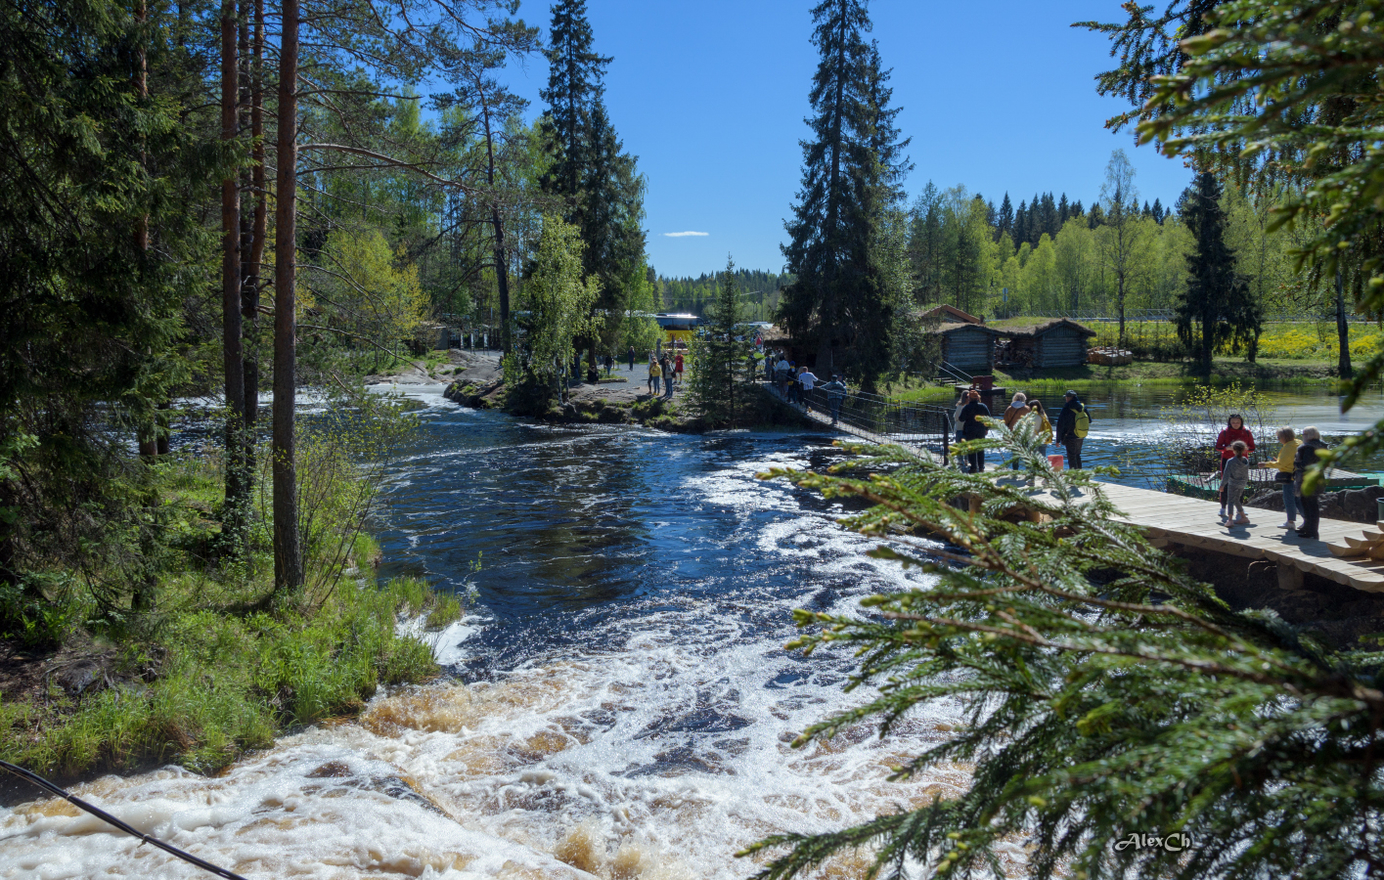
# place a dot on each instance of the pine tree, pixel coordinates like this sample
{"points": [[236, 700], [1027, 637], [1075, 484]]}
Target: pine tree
{"points": [[1157, 212], [1021, 224], [597, 181], [1063, 211], [1049, 222], [1005, 221], [721, 386], [1217, 305], [851, 171]]}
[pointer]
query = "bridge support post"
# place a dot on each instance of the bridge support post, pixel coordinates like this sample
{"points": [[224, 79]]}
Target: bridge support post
{"points": [[1289, 576]]}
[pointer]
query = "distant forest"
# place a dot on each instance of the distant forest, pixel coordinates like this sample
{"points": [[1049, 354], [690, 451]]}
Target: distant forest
{"points": [[759, 292]]}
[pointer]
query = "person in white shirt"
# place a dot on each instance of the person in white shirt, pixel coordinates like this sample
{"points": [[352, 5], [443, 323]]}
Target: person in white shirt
{"points": [[808, 381]]}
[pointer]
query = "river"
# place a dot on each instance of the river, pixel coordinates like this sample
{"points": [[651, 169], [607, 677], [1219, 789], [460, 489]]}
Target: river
{"points": [[617, 702], [618, 698]]}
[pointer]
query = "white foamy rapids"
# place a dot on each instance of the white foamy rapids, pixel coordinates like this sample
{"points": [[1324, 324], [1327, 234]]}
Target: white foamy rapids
{"points": [[653, 745], [657, 755]]}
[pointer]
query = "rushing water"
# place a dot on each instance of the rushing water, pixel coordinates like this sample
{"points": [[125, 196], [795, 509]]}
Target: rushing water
{"points": [[619, 701]]}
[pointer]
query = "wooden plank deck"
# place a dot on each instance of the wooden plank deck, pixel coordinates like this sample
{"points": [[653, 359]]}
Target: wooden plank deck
{"points": [[1175, 519]]}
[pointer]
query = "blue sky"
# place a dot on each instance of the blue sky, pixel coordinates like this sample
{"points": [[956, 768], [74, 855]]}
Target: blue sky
{"points": [[711, 96]]}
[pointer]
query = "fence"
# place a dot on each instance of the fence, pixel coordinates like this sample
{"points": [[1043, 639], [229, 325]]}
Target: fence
{"points": [[884, 419]]}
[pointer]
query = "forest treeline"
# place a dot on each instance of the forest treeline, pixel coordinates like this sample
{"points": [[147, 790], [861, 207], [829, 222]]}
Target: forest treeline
{"points": [[758, 291], [1066, 259], [246, 196]]}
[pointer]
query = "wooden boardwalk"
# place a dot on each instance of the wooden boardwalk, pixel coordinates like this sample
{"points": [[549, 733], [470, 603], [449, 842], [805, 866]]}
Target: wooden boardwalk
{"points": [[1175, 519], [1170, 519]]}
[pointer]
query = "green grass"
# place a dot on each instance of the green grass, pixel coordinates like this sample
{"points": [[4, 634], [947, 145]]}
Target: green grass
{"points": [[222, 665]]}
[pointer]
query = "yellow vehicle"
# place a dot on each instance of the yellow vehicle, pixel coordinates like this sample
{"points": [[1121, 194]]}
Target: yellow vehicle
{"points": [[678, 330]]}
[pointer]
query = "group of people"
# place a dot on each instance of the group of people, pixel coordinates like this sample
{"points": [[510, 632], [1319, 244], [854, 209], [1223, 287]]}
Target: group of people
{"points": [[665, 372], [1295, 456], [794, 383], [1073, 424]]}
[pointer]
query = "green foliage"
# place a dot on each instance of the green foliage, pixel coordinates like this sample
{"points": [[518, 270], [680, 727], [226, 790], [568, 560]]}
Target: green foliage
{"points": [[365, 293], [1107, 693], [760, 293], [598, 182], [213, 670], [1217, 306], [721, 384], [554, 311], [100, 251], [1289, 94], [840, 302]]}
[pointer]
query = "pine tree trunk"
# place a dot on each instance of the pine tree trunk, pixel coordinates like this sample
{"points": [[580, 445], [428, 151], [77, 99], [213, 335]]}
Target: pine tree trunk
{"points": [[1343, 368], [232, 516], [288, 562], [250, 296]]}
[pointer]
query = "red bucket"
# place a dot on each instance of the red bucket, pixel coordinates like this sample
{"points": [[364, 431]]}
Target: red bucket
{"points": [[1055, 461]]}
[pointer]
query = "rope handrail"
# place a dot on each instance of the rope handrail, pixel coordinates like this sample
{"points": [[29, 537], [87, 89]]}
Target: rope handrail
{"points": [[883, 419], [107, 817]]}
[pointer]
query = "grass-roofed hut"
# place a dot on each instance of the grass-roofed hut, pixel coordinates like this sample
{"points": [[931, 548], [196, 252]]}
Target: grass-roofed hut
{"points": [[1059, 343]]}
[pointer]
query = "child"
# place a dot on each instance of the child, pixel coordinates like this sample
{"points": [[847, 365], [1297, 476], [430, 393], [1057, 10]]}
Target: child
{"points": [[1235, 479]]}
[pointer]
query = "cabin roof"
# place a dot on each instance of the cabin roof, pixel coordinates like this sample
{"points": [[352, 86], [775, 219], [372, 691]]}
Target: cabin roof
{"points": [[951, 314], [949, 328], [1036, 330]]}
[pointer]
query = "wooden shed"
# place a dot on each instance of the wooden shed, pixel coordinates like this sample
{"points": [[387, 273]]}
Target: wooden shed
{"points": [[1059, 343], [969, 347]]}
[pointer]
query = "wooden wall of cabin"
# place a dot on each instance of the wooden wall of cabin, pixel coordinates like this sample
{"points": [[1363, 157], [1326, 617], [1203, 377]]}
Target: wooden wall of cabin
{"points": [[1061, 347], [970, 350]]}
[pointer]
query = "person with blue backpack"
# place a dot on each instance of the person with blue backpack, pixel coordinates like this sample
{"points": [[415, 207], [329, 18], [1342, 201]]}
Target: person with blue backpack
{"points": [[1073, 424]]}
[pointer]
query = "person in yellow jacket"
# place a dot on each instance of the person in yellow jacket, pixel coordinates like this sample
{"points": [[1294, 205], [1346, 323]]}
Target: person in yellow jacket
{"points": [[1041, 426], [1284, 477], [655, 377]]}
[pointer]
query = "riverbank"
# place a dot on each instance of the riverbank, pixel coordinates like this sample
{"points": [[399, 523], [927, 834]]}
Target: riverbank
{"points": [[218, 664], [620, 398]]}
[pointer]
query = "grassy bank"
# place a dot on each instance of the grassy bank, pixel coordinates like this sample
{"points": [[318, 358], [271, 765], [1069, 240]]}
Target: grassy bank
{"points": [[1087, 376], [218, 663]]}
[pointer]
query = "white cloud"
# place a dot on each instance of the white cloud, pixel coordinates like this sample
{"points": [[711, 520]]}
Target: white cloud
{"points": [[685, 234]]}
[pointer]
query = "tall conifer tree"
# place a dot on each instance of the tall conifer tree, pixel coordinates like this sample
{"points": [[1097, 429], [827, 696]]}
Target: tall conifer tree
{"points": [[1217, 305], [597, 180], [722, 378], [1005, 220], [851, 169]]}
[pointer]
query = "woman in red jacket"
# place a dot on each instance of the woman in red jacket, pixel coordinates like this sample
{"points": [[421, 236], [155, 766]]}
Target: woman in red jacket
{"points": [[1235, 430]]}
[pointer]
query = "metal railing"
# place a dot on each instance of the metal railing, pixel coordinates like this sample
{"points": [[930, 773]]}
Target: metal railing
{"points": [[954, 373], [883, 418]]}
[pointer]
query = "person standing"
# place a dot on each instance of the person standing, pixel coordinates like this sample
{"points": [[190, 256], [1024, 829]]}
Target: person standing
{"points": [[807, 380], [781, 374], [961, 402], [631, 358], [655, 376], [1235, 479], [1017, 409], [666, 367], [1042, 428], [1234, 430], [1073, 424], [972, 428], [677, 368], [836, 392], [1284, 477], [609, 363], [1304, 458]]}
